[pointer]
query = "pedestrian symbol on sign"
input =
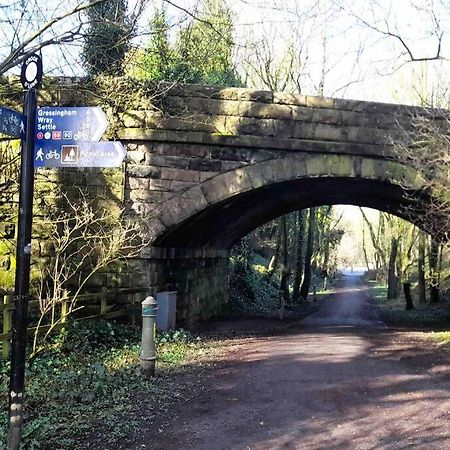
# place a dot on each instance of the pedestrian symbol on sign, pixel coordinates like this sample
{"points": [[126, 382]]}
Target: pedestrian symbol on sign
{"points": [[39, 155], [70, 154]]}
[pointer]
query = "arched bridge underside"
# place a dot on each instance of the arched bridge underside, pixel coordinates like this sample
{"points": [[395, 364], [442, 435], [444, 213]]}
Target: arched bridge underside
{"points": [[220, 211], [208, 165]]}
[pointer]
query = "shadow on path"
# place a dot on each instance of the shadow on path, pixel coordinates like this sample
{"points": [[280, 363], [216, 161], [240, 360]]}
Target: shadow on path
{"points": [[338, 380]]}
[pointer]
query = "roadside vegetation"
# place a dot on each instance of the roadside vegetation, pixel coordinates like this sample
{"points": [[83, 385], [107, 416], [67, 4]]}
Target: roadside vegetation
{"points": [[442, 338], [423, 316], [86, 383], [407, 271], [286, 264]]}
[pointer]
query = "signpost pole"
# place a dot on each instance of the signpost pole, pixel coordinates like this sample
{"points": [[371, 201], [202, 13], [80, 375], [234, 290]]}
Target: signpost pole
{"points": [[22, 280]]}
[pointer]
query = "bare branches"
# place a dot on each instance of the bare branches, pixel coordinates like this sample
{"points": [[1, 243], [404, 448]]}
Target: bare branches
{"points": [[427, 151], [415, 27], [85, 239], [34, 41], [387, 32]]}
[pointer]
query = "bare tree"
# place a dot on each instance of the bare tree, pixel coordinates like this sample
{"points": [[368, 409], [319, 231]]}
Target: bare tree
{"points": [[418, 36], [85, 239]]}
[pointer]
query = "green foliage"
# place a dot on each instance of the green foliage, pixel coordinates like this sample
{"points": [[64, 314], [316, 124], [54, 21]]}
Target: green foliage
{"points": [[250, 289], [393, 310], [156, 61], [202, 52], [9, 186], [107, 39], [7, 267], [84, 385], [442, 337], [175, 345]]}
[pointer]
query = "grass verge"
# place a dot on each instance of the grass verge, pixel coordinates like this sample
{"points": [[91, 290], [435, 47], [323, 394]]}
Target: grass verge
{"points": [[393, 311], [86, 384], [441, 337]]}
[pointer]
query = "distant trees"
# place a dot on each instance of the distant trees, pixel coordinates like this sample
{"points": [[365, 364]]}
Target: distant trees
{"points": [[425, 148], [285, 257], [205, 47], [202, 51], [156, 60], [405, 255]]}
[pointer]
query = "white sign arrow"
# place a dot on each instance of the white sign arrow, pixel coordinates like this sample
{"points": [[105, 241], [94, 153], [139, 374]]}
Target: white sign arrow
{"points": [[99, 124]]}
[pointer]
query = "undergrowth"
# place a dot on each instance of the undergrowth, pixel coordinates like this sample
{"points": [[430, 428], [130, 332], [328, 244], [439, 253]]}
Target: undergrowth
{"points": [[253, 291], [86, 382], [250, 288], [393, 311]]}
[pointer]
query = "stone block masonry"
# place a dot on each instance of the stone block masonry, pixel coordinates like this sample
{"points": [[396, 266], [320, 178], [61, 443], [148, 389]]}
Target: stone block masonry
{"points": [[198, 276], [206, 165]]}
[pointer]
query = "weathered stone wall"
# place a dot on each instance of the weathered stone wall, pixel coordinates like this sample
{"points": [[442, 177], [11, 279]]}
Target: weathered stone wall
{"points": [[201, 132], [198, 275], [207, 164]]}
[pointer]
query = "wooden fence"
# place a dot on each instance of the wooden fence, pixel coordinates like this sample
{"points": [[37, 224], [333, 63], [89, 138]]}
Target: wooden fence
{"points": [[109, 304]]}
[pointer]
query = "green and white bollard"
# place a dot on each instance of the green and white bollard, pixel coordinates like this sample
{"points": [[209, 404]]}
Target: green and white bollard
{"points": [[148, 348]]}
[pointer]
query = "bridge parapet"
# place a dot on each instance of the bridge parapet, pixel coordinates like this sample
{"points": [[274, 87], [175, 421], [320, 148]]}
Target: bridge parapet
{"points": [[244, 118]]}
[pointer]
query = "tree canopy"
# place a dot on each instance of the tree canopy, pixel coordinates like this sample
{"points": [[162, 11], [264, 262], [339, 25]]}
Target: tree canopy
{"points": [[201, 53], [107, 38]]}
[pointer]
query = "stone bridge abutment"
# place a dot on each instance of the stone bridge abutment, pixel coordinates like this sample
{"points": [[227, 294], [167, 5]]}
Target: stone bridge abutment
{"points": [[207, 165], [213, 164]]}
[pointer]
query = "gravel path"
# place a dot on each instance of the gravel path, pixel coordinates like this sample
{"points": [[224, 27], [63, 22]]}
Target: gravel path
{"points": [[339, 379]]}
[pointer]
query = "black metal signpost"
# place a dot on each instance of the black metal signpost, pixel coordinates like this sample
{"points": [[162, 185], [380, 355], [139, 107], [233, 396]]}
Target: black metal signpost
{"points": [[31, 77], [54, 137]]}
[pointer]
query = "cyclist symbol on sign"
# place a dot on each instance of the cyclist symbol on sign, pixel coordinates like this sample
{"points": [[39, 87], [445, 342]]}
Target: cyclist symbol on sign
{"points": [[52, 154]]}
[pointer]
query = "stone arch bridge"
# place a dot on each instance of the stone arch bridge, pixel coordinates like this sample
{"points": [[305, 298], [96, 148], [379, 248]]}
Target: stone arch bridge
{"points": [[208, 165]]}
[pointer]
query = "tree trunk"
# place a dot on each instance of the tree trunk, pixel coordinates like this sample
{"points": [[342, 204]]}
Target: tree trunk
{"points": [[301, 228], [392, 276], [308, 254], [275, 258], [408, 298], [434, 271], [284, 288], [380, 257], [366, 259], [421, 269]]}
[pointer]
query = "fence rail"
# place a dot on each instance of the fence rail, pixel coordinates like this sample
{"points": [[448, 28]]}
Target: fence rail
{"points": [[100, 300]]}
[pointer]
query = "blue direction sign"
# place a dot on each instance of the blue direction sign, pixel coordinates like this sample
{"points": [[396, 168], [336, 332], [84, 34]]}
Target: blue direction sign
{"points": [[12, 123], [83, 154], [69, 125], [68, 137]]}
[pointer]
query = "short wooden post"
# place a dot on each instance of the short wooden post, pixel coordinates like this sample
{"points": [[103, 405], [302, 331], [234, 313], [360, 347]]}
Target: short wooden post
{"points": [[103, 301], [7, 320]]}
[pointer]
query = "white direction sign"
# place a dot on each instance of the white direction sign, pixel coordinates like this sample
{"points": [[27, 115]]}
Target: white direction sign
{"points": [[68, 137]]}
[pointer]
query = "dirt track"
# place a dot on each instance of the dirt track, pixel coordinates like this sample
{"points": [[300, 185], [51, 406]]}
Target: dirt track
{"points": [[337, 380]]}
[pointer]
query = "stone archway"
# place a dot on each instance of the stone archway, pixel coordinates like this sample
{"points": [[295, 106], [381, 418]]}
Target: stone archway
{"points": [[194, 230], [221, 210]]}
